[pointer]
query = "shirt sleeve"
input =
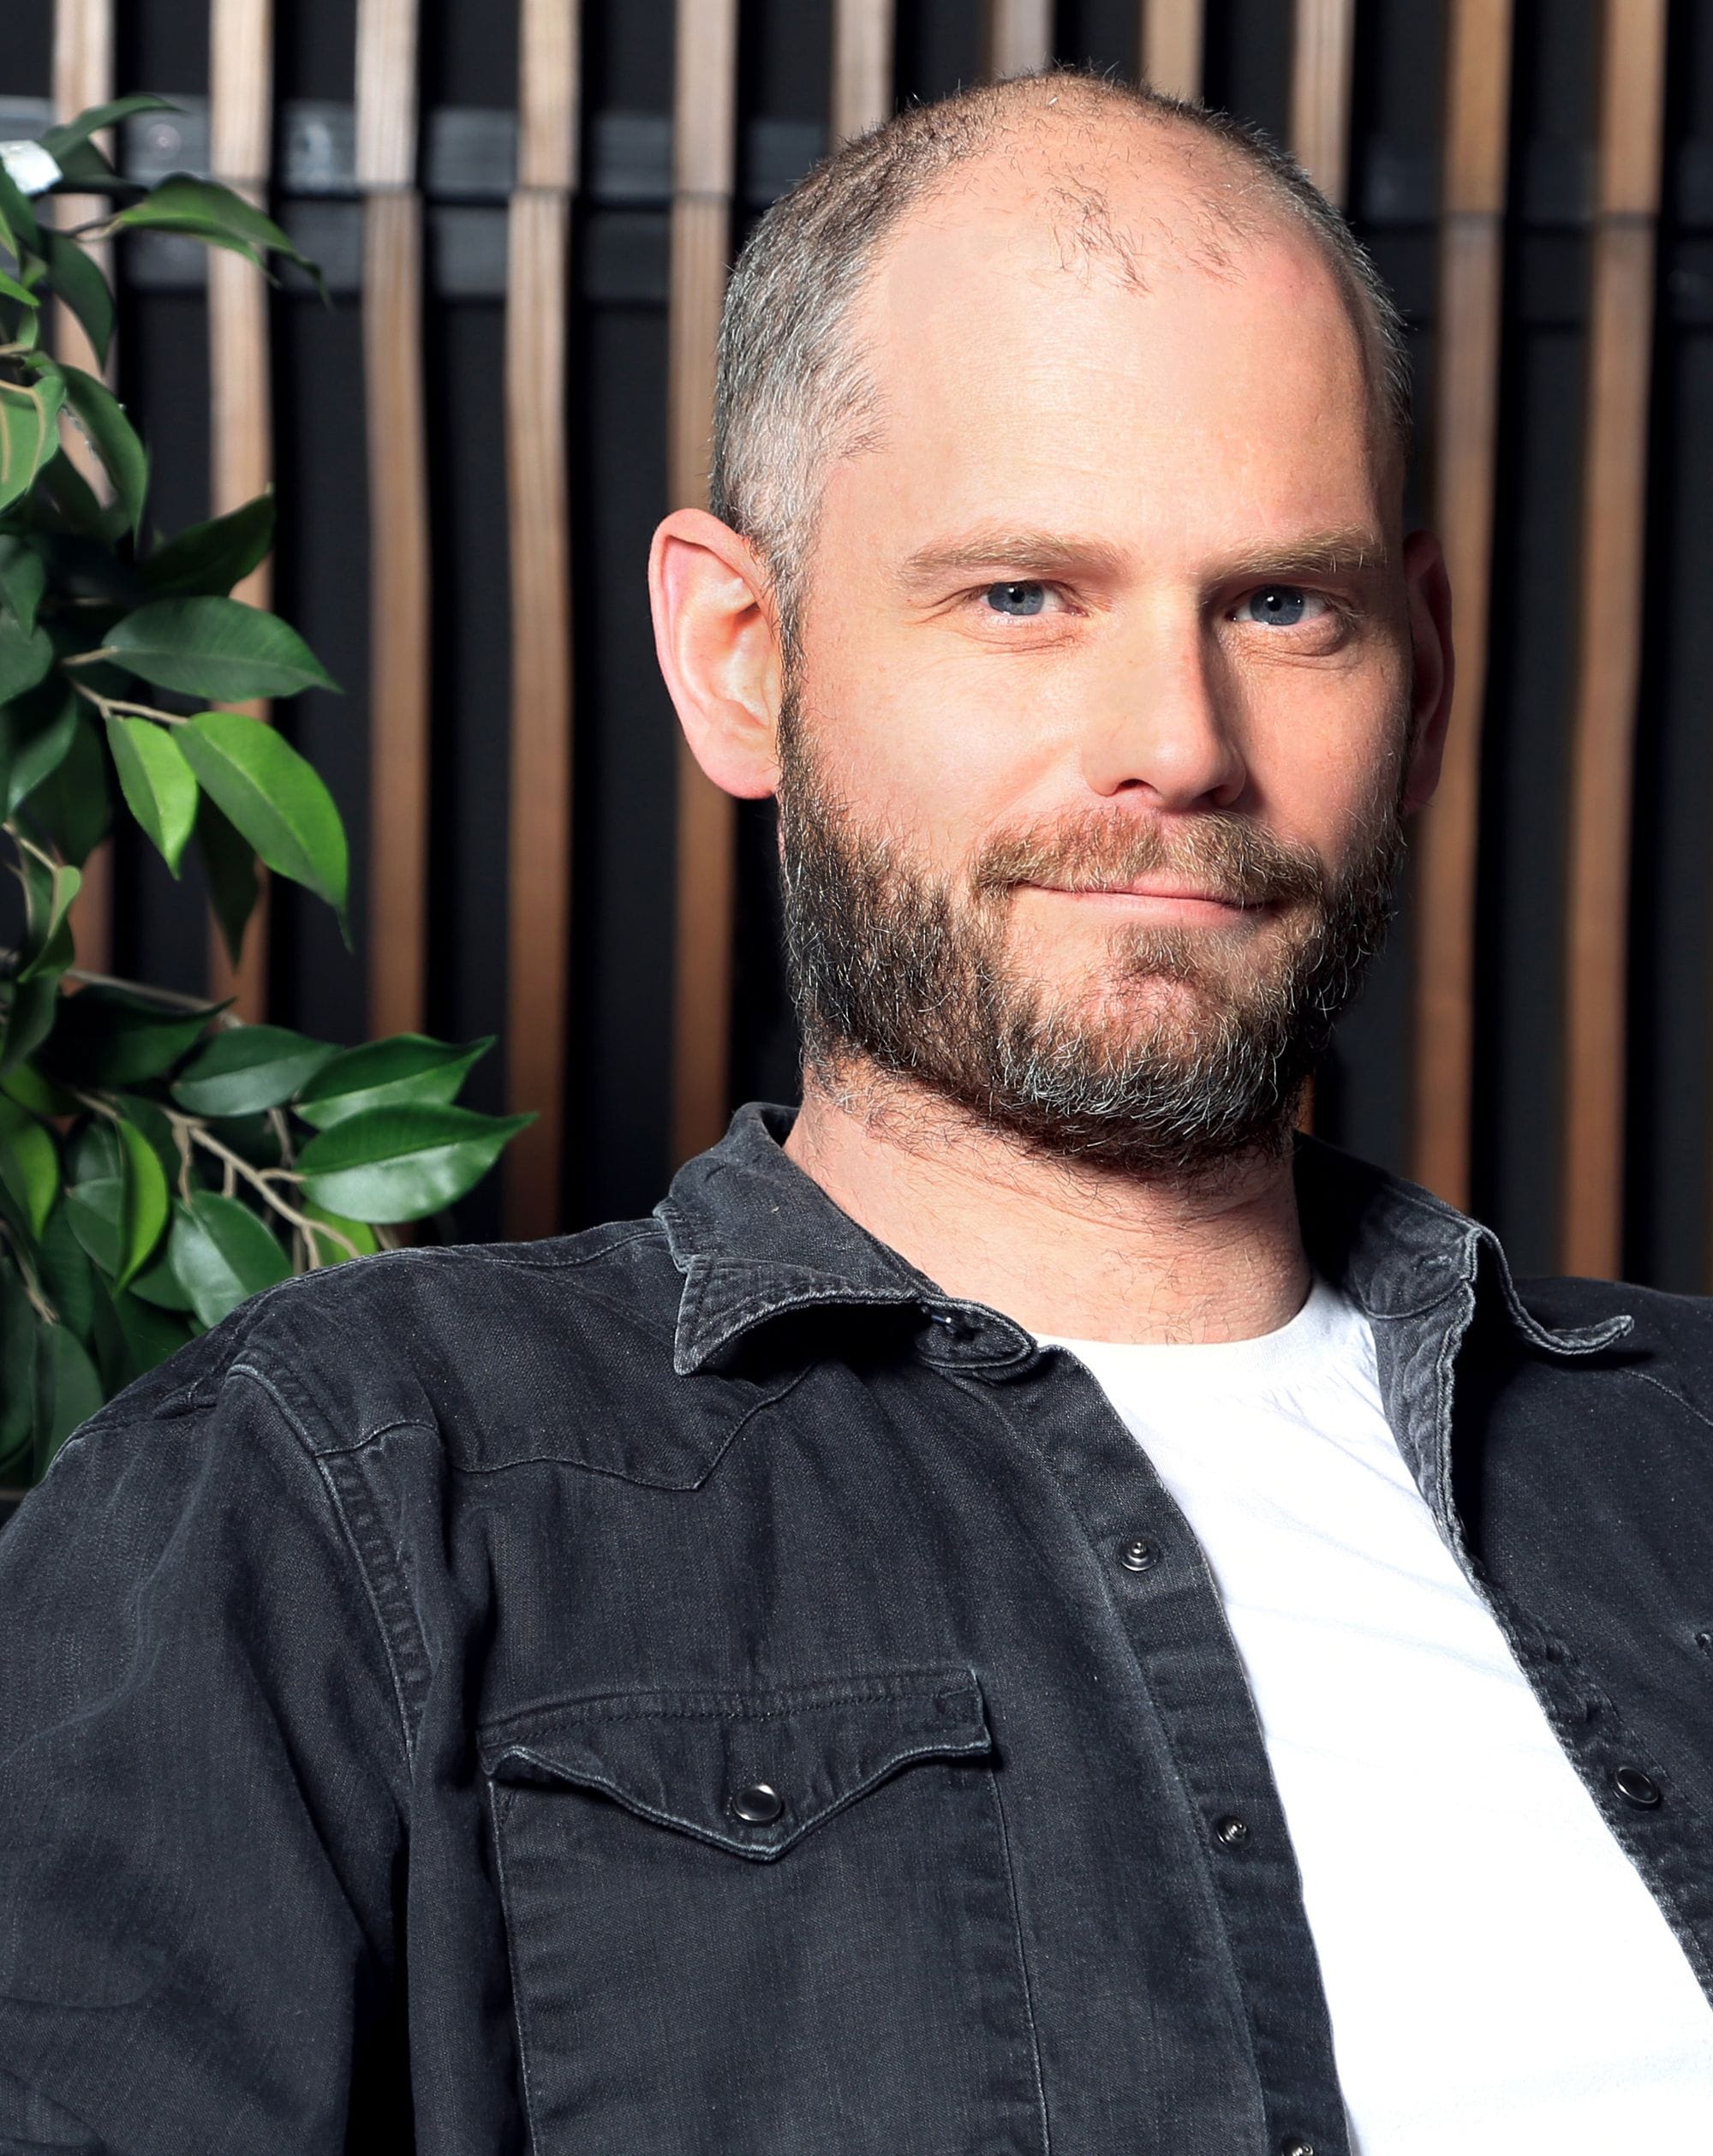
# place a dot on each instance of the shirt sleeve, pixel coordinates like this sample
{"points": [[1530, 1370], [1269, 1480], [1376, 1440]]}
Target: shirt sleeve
{"points": [[202, 1796]]}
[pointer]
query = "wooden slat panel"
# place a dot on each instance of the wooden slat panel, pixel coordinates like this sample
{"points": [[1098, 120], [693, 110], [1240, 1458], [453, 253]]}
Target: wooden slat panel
{"points": [[386, 93], [240, 463], [1614, 501], [704, 152], [539, 894], [82, 76], [1019, 36], [862, 65], [1471, 264], [399, 514], [1320, 92], [398, 617], [1171, 35]]}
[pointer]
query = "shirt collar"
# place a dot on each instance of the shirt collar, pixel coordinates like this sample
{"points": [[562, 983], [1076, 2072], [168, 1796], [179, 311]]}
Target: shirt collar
{"points": [[755, 1238]]}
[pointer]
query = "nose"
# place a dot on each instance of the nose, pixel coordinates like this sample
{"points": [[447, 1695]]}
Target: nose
{"points": [[1166, 735]]}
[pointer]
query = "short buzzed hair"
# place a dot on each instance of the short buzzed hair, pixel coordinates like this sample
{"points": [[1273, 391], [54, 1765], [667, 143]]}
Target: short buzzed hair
{"points": [[793, 393]]}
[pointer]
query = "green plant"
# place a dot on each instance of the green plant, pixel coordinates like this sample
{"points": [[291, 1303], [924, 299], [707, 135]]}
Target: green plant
{"points": [[158, 1161]]}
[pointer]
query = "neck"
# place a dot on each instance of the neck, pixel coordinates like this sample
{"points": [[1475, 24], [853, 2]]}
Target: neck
{"points": [[1088, 1252]]}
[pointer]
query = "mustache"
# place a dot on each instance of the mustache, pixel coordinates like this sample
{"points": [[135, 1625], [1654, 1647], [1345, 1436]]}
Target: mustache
{"points": [[1228, 857]]}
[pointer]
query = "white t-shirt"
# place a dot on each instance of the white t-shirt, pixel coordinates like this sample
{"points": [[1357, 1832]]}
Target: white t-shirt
{"points": [[1500, 1980]]}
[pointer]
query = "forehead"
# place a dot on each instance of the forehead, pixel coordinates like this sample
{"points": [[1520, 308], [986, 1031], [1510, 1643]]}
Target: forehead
{"points": [[1106, 346]]}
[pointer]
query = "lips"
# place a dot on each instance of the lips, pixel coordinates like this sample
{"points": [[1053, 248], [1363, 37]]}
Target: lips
{"points": [[1154, 888]]}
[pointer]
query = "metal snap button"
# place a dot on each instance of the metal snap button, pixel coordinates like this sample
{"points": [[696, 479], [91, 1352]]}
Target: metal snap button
{"points": [[1138, 1555], [1230, 1832], [1636, 1788], [758, 1804], [1294, 2144]]}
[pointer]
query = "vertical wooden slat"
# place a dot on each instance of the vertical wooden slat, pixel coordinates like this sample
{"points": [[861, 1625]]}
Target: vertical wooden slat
{"points": [[1320, 92], [1467, 427], [82, 76], [1322, 37], [863, 34], [1019, 36], [1172, 34], [1614, 509], [704, 144], [398, 513], [241, 459], [539, 892]]}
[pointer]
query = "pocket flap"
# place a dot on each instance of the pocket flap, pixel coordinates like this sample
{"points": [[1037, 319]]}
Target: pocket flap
{"points": [[715, 1764]]}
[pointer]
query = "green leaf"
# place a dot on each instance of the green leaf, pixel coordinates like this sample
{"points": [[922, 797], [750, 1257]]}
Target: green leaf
{"points": [[358, 1232], [403, 1163], [159, 785], [216, 648], [11, 290], [203, 210], [208, 559], [35, 734], [29, 1019], [146, 1200], [273, 797], [23, 579], [28, 433], [76, 277], [66, 1275], [69, 133], [231, 869], [29, 1163], [71, 806], [107, 1036], [223, 1254], [248, 1068], [30, 1089], [104, 522], [102, 417], [84, 168], [48, 893], [151, 1334], [18, 1323], [407, 1070], [21, 218], [26, 656], [118, 1202], [158, 1283], [68, 1390]]}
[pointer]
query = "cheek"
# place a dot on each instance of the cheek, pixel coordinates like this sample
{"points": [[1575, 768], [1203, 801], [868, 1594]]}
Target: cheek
{"points": [[912, 751], [1325, 750]]}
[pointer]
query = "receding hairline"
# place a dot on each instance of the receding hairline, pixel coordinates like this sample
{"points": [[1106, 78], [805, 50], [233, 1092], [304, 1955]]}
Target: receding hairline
{"points": [[792, 362]]}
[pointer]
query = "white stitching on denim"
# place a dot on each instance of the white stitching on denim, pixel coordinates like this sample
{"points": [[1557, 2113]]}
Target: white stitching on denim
{"points": [[511, 1965]]}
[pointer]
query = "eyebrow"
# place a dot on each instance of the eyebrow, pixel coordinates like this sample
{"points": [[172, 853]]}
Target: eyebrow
{"points": [[1347, 549]]}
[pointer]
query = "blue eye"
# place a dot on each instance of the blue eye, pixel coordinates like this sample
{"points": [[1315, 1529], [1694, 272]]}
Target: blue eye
{"points": [[1016, 599], [1274, 606]]}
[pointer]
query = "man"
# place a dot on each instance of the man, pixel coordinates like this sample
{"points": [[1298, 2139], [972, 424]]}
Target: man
{"points": [[1008, 1616]]}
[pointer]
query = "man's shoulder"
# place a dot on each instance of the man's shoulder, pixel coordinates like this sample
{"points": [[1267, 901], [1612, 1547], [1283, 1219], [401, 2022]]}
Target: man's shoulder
{"points": [[450, 1338], [1669, 1332]]}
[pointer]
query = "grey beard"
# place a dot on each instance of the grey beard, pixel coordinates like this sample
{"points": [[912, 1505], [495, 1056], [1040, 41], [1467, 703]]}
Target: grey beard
{"points": [[908, 971]]}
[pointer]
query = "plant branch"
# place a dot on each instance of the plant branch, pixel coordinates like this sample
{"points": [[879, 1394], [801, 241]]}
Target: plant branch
{"points": [[108, 705], [262, 1180]]}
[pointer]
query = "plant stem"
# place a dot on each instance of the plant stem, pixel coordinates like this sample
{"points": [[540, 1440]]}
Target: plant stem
{"points": [[262, 1180], [108, 705]]}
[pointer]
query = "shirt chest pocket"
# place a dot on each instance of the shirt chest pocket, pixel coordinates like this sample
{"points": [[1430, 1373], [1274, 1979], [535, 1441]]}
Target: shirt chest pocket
{"points": [[772, 1921]]}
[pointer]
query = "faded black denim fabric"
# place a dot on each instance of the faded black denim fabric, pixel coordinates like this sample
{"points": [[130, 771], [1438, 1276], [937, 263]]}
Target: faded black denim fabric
{"points": [[389, 1687]]}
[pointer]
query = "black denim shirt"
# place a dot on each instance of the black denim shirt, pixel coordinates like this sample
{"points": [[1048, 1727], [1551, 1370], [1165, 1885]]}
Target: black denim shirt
{"points": [[677, 1691]]}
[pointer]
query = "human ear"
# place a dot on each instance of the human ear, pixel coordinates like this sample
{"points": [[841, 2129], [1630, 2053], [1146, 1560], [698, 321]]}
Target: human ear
{"points": [[1429, 598], [719, 649]]}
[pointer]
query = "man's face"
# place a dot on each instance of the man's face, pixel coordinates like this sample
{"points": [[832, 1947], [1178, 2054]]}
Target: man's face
{"points": [[1100, 721]]}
